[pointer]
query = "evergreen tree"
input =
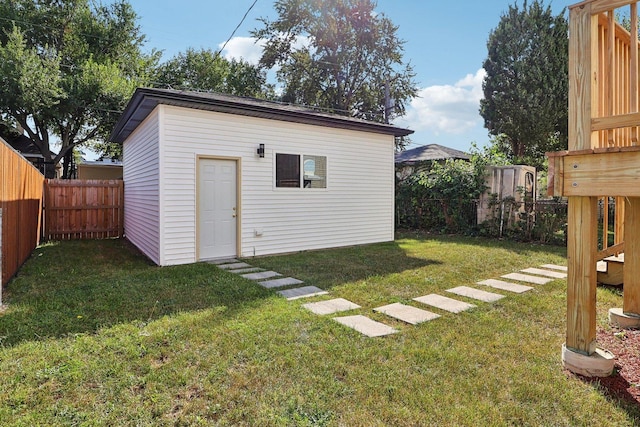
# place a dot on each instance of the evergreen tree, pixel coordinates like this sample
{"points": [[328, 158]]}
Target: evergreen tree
{"points": [[526, 87]]}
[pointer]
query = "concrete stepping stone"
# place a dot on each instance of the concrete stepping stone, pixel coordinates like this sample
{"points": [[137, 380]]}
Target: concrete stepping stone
{"points": [[505, 286], [222, 261], [547, 273], [330, 306], [261, 275], [279, 283], [536, 280], [234, 266], [555, 267], [366, 326], [466, 291], [303, 292], [444, 303], [407, 313], [246, 270]]}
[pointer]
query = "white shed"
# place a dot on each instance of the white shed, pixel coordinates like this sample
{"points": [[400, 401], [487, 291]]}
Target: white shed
{"points": [[215, 176]]}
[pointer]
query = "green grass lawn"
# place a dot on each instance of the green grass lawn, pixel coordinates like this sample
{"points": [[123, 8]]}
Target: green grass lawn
{"points": [[93, 334]]}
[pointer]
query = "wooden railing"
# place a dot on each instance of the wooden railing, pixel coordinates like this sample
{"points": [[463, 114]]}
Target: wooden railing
{"points": [[83, 209], [611, 88], [21, 187]]}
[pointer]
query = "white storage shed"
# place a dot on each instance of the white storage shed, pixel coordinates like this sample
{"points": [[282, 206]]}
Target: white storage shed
{"points": [[215, 176]]}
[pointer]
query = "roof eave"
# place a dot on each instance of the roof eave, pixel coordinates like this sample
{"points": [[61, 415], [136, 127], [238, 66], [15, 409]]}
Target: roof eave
{"points": [[145, 100]]}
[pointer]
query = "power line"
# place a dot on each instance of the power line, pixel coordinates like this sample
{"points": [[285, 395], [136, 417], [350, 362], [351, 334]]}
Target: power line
{"points": [[237, 26]]}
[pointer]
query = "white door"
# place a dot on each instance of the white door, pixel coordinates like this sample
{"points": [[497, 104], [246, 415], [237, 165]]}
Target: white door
{"points": [[217, 213]]}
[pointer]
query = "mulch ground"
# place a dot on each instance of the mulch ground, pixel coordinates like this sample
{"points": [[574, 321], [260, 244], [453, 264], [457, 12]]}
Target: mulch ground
{"points": [[624, 384]]}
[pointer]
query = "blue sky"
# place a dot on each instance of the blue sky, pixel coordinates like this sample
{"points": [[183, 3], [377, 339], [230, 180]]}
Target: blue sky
{"points": [[445, 43]]}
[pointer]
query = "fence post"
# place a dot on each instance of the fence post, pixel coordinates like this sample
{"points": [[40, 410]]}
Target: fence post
{"points": [[1, 269]]}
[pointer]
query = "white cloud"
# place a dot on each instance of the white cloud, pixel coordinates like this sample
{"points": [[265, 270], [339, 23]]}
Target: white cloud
{"points": [[244, 48], [449, 109], [247, 49]]}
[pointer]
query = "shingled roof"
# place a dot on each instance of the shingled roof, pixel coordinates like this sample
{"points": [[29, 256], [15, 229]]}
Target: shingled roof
{"points": [[144, 100], [430, 152]]}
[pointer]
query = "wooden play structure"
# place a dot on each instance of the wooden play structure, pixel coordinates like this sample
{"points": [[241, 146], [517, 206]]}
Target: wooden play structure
{"points": [[602, 164]]}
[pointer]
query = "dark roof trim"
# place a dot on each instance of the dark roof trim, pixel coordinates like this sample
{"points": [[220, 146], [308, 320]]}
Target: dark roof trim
{"points": [[144, 100], [430, 152]]}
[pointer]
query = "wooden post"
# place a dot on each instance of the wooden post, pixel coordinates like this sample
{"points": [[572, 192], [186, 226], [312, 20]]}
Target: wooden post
{"points": [[631, 303], [629, 315], [579, 353], [633, 72], [1, 269], [582, 237]]}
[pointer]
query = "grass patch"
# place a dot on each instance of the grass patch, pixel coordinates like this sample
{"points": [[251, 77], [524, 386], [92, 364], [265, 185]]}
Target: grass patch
{"points": [[94, 335]]}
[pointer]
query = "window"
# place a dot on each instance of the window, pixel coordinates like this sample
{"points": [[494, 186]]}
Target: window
{"points": [[287, 170], [295, 171], [315, 171]]}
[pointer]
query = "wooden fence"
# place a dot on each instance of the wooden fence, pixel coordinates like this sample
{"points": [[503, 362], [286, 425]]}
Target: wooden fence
{"points": [[83, 209], [21, 187]]}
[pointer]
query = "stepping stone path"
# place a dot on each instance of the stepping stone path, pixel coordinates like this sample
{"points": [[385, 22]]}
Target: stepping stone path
{"points": [[234, 266], [330, 306], [555, 267], [547, 273], [222, 261], [505, 286], [245, 270], [261, 275], [303, 292], [258, 275], [527, 278], [279, 283], [465, 291], [444, 303], [366, 326], [402, 312], [407, 313]]}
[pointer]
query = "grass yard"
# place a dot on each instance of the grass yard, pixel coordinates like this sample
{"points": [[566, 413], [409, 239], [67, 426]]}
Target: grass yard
{"points": [[95, 335]]}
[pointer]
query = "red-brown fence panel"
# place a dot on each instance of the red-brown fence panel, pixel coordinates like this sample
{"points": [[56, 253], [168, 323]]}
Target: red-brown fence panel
{"points": [[21, 186], [83, 209]]}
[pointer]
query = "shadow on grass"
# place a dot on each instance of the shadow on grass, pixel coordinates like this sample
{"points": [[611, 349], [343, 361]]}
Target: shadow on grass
{"points": [[486, 242], [81, 286], [617, 388], [328, 268]]}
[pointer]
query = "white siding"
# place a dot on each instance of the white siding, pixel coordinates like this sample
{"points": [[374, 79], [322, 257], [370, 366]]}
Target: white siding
{"points": [[141, 184], [355, 208]]}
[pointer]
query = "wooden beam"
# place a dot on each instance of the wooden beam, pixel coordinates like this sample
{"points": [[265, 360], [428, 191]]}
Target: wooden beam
{"points": [[582, 238], [631, 274], [614, 122], [598, 174], [583, 76], [611, 250], [633, 70], [610, 76], [599, 6]]}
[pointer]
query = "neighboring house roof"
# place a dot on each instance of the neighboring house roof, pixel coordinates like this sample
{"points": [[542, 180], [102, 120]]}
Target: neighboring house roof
{"points": [[23, 145], [144, 100], [102, 163], [430, 152]]}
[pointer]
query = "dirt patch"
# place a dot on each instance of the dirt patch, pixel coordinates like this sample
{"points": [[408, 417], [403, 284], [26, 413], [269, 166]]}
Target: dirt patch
{"points": [[624, 384]]}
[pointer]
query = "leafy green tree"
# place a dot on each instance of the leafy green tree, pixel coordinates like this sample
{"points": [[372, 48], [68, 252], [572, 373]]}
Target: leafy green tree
{"points": [[526, 87], [205, 70], [349, 62], [67, 69], [440, 195]]}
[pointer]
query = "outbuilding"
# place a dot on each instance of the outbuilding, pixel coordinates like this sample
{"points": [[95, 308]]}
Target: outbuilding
{"points": [[212, 176]]}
